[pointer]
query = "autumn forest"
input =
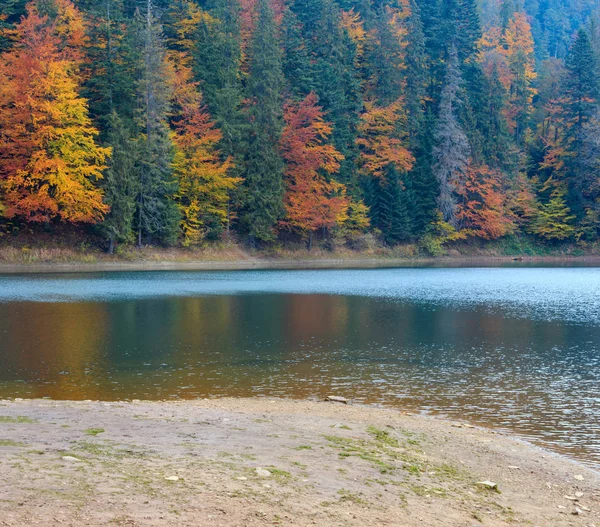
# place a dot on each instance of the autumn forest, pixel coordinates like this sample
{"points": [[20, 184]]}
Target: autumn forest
{"points": [[181, 122]]}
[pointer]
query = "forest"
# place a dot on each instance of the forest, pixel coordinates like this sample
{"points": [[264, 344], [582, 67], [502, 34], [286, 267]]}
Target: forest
{"points": [[181, 122]]}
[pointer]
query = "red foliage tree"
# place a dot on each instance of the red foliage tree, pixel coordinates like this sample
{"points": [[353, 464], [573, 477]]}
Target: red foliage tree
{"points": [[312, 200], [482, 209]]}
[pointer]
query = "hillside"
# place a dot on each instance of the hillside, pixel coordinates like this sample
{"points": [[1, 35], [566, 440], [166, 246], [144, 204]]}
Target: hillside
{"points": [[437, 123]]}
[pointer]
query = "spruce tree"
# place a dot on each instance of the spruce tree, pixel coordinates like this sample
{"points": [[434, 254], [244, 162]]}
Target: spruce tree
{"points": [[217, 59], [112, 59], [580, 85], [580, 89], [296, 65], [120, 184], [389, 209], [156, 215], [263, 165], [415, 74], [337, 85], [384, 61], [421, 180]]}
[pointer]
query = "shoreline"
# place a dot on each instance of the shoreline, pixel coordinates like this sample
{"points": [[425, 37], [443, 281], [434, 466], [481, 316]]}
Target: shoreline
{"points": [[266, 461], [291, 264]]}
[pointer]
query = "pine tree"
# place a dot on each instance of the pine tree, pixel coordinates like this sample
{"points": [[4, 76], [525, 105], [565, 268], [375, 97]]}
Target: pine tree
{"points": [[421, 181], [263, 165], [384, 58], [110, 64], [580, 87]]}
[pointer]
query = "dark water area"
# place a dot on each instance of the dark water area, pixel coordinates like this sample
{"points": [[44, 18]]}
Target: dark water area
{"points": [[516, 349]]}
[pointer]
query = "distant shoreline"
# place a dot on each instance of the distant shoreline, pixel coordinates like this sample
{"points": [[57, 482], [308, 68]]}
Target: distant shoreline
{"points": [[289, 264]]}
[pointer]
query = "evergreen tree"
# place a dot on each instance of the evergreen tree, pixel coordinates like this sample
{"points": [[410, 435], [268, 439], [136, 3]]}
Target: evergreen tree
{"points": [[415, 75], [421, 181], [580, 86], [452, 150], [156, 215], [337, 86], [296, 59], [111, 64], [384, 60], [263, 165], [120, 184], [580, 96], [217, 60], [389, 211]]}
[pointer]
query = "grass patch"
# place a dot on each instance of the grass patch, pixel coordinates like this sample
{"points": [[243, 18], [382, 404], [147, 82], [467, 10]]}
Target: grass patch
{"points": [[347, 496], [279, 474], [303, 447], [341, 427], [9, 442], [363, 450], [383, 436], [106, 450], [94, 431], [424, 491], [18, 419]]}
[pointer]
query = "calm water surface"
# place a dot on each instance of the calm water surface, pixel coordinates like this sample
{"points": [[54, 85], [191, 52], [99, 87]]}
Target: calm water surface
{"points": [[517, 348]]}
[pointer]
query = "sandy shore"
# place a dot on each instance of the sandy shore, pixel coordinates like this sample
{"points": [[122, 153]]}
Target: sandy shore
{"points": [[246, 462]]}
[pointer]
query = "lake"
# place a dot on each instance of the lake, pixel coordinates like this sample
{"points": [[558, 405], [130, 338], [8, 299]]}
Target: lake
{"points": [[517, 349]]}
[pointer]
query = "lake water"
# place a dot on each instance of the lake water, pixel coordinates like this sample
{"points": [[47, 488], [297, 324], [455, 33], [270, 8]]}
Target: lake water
{"points": [[512, 348]]}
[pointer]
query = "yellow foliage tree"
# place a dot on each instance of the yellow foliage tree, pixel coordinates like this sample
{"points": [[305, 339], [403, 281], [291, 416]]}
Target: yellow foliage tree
{"points": [[204, 183]]}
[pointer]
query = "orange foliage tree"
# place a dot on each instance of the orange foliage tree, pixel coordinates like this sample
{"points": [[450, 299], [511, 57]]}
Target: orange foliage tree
{"points": [[50, 157], [482, 209], [312, 201], [378, 141], [510, 51]]}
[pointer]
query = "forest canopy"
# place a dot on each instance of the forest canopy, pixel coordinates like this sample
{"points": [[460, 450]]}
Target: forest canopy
{"points": [[176, 122]]}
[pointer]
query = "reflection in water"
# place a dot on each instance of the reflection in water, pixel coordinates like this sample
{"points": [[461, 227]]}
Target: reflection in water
{"points": [[538, 378]]}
